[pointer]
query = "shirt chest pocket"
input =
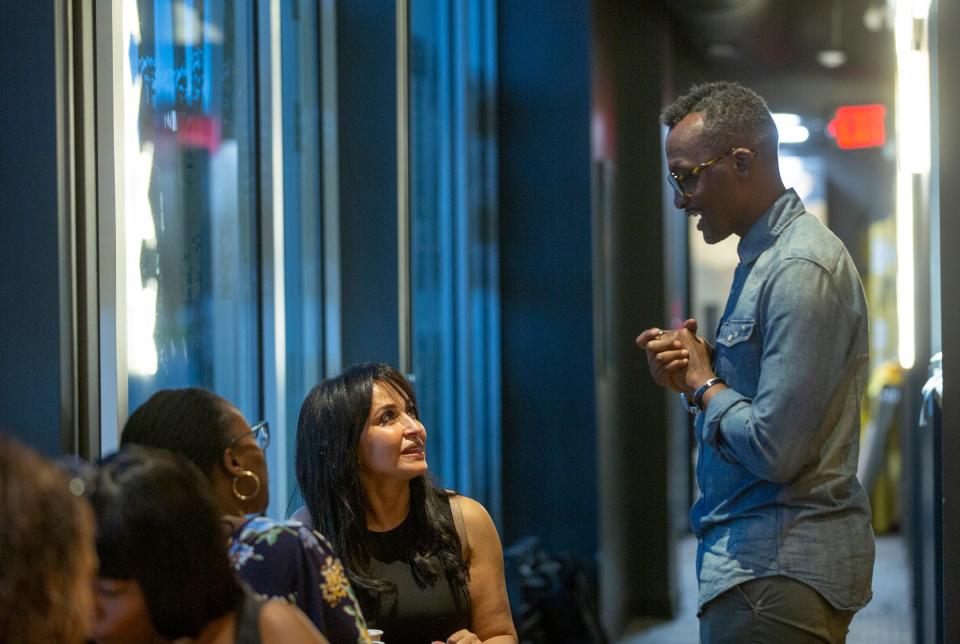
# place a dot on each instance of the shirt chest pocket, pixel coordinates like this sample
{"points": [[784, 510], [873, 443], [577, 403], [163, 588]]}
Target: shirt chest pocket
{"points": [[738, 354]]}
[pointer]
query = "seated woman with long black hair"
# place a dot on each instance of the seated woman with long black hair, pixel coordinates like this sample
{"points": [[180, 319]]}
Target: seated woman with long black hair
{"points": [[164, 572], [426, 563], [275, 558]]}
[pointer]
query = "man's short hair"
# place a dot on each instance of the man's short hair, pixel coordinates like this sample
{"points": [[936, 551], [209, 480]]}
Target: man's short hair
{"points": [[733, 115]]}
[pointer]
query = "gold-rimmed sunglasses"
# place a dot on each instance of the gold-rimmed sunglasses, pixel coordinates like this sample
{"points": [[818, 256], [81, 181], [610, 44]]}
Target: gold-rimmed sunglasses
{"points": [[685, 183]]}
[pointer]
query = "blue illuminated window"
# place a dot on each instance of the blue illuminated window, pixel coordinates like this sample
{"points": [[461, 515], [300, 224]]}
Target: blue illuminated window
{"points": [[453, 236]]}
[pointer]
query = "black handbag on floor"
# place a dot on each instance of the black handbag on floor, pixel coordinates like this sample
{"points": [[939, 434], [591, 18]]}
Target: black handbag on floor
{"points": [[557, 596]]}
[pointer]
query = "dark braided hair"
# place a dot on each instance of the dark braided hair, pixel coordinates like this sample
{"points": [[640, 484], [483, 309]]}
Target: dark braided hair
{"points": [[191, 421], [332, 419]]}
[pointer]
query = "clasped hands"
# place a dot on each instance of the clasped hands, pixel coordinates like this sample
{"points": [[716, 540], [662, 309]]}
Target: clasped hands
{"points": [[678, 359]]}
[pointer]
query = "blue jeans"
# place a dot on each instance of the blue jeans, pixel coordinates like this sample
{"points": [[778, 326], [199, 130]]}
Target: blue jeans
{"points": [[770, 610]]}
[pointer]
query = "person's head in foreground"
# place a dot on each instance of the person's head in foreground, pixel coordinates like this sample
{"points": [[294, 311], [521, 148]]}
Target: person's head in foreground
{"points": [[164, 571], [46, 550], [214, 435], [722, 157]]}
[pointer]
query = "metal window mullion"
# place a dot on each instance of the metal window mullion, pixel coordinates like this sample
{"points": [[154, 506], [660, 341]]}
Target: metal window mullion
{"points": [[484, 15], [446, 226], [84, 202], [333, 343], [470, 438], [403, 187], [66, 224], [307, 134], [272, 303], [79, 345], [108, 23]]}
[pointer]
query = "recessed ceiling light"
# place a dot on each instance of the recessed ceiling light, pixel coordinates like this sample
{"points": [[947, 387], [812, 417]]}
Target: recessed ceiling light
{"points": [[831, 58], [875, 18]]}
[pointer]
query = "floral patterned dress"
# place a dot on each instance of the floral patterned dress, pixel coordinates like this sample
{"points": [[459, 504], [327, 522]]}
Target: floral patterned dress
{"points": [[287, 560]]}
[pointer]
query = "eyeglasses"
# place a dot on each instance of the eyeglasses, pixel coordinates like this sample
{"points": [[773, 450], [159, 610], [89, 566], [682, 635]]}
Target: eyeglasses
{"points": [[261, 434], [686, 183]]}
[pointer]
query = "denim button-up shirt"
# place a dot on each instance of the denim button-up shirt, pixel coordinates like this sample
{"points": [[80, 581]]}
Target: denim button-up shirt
{"points": [[778, 448]]}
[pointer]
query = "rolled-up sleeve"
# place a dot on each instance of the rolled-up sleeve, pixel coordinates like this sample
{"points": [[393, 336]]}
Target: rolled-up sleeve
{"points": [[808, 333]]}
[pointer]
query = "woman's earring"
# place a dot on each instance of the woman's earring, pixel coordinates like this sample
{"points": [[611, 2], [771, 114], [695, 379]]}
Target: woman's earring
{"points": [[256, 482]]}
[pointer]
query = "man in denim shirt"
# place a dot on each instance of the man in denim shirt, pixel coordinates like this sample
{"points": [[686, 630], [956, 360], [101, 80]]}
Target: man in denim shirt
{"points": [[785, 544]]}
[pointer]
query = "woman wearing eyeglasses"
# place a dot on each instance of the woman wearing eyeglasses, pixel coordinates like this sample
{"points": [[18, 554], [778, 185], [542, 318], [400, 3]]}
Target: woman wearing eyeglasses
{"points": [[276, 559]]}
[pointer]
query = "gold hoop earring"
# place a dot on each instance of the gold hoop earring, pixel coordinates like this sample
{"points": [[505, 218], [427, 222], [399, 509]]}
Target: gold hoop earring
{"points": [[256, 481]]}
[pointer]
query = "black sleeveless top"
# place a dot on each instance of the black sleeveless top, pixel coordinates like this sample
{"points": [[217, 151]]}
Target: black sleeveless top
{"points": [[412, 615]]}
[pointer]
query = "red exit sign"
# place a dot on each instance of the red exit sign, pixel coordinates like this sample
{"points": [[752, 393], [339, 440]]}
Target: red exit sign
{"points": [[859, 126]]}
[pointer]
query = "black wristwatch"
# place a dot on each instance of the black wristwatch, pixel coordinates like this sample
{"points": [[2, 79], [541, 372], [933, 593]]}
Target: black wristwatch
{"points": [[694, 403], [698, 394]]}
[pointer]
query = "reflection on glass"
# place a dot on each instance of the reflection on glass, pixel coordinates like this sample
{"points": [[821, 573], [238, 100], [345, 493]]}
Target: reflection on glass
{"points": [[188, 210], [303, 278], [453, 242], [431, 233]]}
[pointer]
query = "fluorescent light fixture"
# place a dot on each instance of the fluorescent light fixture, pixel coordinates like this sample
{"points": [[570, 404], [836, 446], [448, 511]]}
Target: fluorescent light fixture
{"points": [[831, 58], [913, 111], [790, 129], [906, 344], [902, 27], [913, 156]]}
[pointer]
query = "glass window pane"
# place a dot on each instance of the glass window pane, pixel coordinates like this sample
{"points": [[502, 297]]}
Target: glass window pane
{"points": [[189, 199], [432, 215], [303, 275], [453, 242]]}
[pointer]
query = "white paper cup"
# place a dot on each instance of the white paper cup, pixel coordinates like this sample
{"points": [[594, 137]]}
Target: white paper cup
{"points": [[375, 634]]}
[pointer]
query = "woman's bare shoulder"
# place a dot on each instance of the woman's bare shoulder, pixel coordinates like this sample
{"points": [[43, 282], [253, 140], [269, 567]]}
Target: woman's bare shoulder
{"points": [[478, 522], [282, 622]]}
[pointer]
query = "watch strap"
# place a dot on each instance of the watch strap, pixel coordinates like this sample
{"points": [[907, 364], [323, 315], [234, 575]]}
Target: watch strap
{"points": [[698, 394]]}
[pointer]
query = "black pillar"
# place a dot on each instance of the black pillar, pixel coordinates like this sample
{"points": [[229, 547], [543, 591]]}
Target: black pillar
{"points": [[367, 156], [640, 450], [549, 427], [946, 22], [32, 307]]}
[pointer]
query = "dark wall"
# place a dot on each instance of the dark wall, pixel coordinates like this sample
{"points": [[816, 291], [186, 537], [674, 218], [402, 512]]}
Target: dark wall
{"points": [[947, 23], [29, 228], [860, 191], [366, 63], [640, 267], [549, 427]]}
